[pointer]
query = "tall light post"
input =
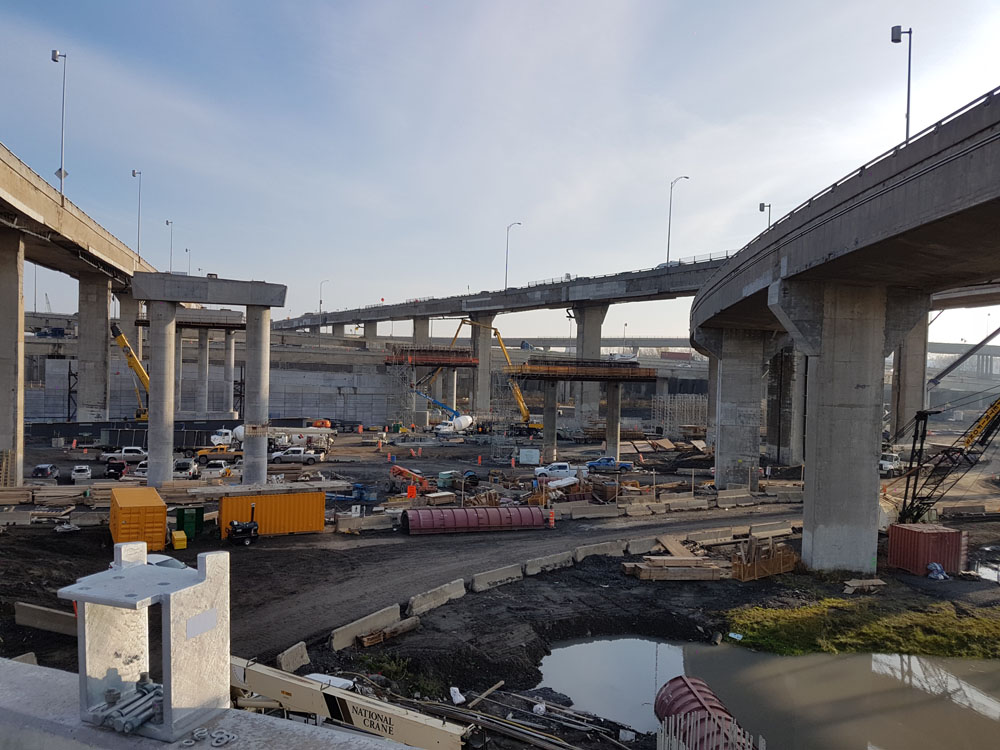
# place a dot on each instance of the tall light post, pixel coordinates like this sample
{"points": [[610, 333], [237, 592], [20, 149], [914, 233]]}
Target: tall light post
{"points": [[670, 210], [61, 173], [897, 38], [624, 337], [171, 225], [324, 281], [766, 206], [138, 219], [186, 250], [506, 256]]}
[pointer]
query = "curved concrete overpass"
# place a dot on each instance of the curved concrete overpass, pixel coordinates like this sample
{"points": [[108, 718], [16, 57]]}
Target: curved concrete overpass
{"points": [[845, 278]]}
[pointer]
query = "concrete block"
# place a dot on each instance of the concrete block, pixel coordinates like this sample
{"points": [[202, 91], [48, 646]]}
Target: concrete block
{"points": [[957, 510], [732, 497], [689, 503], [496, 577], [425, 602], [27, 658], [657, 508], [638, 510], [403, 626], [292, 658], [641, 546], [596, 511], [371, 523], [44, 618], [710, 536], [344, 636], [549, 562], [611, 549], [790, 497], [757, 529]]}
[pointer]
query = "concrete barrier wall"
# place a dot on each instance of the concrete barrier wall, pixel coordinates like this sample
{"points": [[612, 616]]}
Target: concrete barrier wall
{"points": [[549, 562], [688, 503], [434, 598], [641, 546], [45, 618], [710, 536], [497, 577], [596, 511], [611, 549], [292, 658], [344, 636]]}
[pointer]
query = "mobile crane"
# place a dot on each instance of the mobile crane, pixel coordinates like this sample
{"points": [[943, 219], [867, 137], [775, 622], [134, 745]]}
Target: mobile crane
{"points": [[930, 479], [142, 413]]}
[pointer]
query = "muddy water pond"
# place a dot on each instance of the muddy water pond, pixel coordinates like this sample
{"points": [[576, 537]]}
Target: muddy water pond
{"points": [[819, 701]]}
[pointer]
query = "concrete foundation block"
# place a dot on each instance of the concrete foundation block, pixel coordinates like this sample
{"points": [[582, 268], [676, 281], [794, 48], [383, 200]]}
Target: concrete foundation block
{"points": [[434, 598], [371, 523], [596, 511], [657, 508], [611, 549], [497, 577], [641, 546], [711, 536], [638, 510], [45, 618], [292, 658], [790, 497], [344, 636], [549, 562], [690, 503]]}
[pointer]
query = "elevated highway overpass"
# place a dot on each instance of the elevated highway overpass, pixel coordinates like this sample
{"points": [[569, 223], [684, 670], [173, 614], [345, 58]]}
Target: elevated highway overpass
{"points": [[845, 279]]}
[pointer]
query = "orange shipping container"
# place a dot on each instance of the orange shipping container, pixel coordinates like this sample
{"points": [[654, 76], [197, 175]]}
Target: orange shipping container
{"points": [[138, 514], [912, 546], [276, 514]]}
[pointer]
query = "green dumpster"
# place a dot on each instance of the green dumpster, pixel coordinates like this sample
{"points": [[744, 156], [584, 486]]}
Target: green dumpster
{"points": [[190, 520]]}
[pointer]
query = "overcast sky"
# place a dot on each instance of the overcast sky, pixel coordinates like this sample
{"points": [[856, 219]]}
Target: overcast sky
{"points": [[385, 146]]}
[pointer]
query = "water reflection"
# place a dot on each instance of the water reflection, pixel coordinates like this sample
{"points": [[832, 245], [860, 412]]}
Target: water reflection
{"points": [[820, 701]]}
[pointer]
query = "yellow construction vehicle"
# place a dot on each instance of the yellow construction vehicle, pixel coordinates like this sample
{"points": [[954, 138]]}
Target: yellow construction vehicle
{"points": [[514, 387], [142, 413]]}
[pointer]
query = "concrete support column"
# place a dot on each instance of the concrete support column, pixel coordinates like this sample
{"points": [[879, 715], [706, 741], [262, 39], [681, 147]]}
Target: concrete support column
{"points": [[909, 376], [588, 346], [201, 398], [229, 374], [550, 409], [453, 388], [371, 335], [786, 408], [713, 399], [740, 390], [337, 330], [421, 337], [179, 370], [482, 346], [129, 309], [256, 406], [438, 386], [12, 351], [614, 420], [93, 365], [846, 331], [162, 358]]}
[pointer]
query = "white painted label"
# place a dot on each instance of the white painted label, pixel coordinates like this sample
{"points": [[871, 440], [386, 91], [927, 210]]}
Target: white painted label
{"points": [[202, 623]]}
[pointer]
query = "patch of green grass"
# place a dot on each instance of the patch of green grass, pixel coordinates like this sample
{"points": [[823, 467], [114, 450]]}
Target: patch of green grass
{"points": [[400, 671], [842, 626]]}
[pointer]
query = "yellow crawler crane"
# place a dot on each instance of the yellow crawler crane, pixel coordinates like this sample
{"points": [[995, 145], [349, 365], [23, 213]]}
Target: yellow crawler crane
{"points": [[135, 365]]}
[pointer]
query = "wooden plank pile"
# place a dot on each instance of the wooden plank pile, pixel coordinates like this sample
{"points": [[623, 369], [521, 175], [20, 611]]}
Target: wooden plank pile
{"points": [[759, 558], [679, 564]]}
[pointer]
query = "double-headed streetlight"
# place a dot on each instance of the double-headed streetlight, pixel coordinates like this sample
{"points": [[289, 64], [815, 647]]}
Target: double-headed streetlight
{"points": [[62, 174], [324, 281], [897, 37], [767, 207], [171, 225], [670, 210], [506, 256], [138, 220]]}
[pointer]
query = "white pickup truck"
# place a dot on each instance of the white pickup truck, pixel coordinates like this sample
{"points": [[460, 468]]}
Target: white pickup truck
{"points": [[889, 465], [130, 455], [297, 455], [560, 470]]}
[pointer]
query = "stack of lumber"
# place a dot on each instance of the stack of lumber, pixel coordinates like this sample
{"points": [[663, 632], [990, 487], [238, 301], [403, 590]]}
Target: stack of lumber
{"points": [[15, 495], [671, 568], [756, 558]]}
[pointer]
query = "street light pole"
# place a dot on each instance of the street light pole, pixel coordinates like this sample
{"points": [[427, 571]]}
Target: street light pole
{"points": [[186, 250], [897, 37], [324, 281], [171, 225], [506, 256], [138, 220], [62, 174], [670, 210], [768, 207]]}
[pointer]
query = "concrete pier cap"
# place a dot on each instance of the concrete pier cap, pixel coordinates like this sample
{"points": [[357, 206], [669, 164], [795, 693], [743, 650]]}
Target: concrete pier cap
{"points": [[164, 291]]}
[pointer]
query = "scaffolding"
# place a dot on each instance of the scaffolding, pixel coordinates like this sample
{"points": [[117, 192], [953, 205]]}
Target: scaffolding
{"points": [[505, 419], [674, 410], [400, 406]]}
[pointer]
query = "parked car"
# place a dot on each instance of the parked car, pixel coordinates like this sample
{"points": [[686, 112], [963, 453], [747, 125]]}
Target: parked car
{"points": [[297, 455], [81, 472], [45, 471], [141, 470], [559, 470], [115, 469], [186, 468], [130, 455], [215, 470], [609, 464]]}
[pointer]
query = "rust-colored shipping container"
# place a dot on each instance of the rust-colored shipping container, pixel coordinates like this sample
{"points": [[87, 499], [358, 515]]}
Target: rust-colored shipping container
{"points": [[138, 514], [912, 546], [296, 513], [456, 520]]}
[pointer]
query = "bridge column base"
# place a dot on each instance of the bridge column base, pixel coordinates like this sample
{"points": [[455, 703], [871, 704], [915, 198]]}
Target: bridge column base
{"points": [[482, 346], [93, 360], [786, 404], [163, 357], [909, 380], [613, 431], [737, 420], [12, 352], [550, 410], [588, 346]]}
